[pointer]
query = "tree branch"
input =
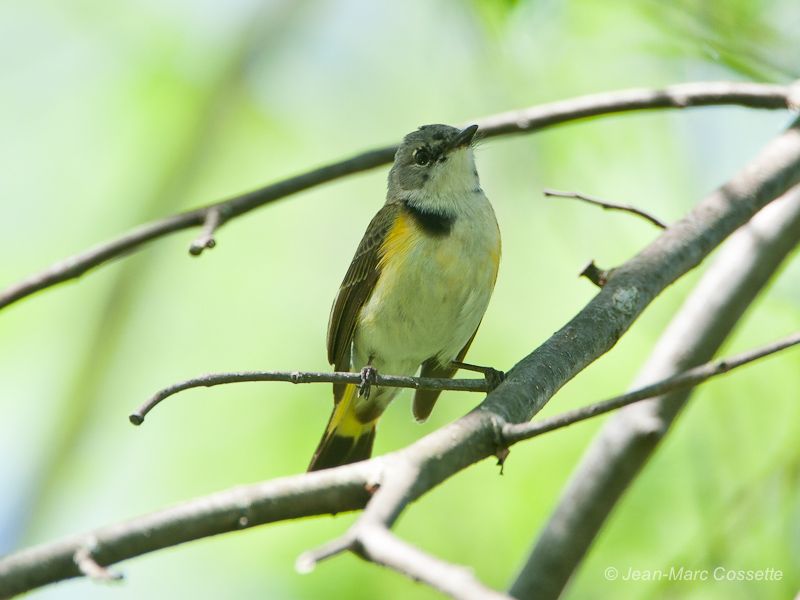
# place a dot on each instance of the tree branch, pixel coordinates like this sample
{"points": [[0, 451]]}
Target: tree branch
{"points": [[623, 446], [682, 381], [606, 205], [407, 474], [213, 220], [212, 379], [511, 433], [752, 95], [88, 566], [380, 546], [330, 491]]}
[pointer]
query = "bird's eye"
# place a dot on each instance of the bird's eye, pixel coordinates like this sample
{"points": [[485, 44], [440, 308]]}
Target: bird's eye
{"points": [[422, 157]]}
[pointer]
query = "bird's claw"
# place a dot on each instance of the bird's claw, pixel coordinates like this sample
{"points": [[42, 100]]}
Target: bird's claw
{"points": [[368, 377]]}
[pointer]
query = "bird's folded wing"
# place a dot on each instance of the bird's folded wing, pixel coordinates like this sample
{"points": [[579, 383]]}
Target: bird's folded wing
{"points": [[356, 288]]}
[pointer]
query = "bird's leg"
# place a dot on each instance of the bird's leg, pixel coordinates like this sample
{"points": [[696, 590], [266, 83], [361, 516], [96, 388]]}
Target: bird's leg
{"points": [[493, 376], [369, 375]]}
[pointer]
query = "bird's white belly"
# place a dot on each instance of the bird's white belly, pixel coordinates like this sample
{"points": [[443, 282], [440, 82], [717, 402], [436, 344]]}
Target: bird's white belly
{"points": [[430, 301]]}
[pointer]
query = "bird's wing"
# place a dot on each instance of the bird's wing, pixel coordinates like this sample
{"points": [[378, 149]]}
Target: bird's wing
{"points": [[356, 288], [424, 400]]}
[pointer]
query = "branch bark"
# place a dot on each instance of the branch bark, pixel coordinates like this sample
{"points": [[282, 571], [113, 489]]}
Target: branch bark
{"points": [[625, 443], [213, 216], [405, 475], [331, 491]]}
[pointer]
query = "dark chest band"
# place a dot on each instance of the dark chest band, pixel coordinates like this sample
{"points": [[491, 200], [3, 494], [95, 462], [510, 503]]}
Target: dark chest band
{"points": [[432, 223]]}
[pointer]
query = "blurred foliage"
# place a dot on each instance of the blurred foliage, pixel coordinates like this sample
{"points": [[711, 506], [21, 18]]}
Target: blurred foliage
{"points": [[757, 39], [115, 113]]}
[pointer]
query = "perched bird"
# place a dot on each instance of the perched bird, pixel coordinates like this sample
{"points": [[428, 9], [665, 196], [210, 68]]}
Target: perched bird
{"points": [[417, 288]]}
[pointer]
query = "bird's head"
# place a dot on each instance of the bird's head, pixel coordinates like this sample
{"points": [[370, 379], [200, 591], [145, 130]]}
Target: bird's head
{"points": [[434, 165]]}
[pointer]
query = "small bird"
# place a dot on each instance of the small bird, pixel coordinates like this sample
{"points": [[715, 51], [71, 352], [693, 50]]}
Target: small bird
{"points": [[416, 289]]}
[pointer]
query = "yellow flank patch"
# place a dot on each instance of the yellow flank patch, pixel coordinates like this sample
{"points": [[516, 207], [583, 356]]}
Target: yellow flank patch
{"points": [[496, 261], [399, 240]]}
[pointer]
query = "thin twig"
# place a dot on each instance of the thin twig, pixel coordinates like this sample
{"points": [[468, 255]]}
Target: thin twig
{"points": [[309, 560], [212, 379], [752, 95], [90, 568], [206, 238], [376, 543], [606, 205], [385, 506], [685, 380], [595, 274], [381, 546]]}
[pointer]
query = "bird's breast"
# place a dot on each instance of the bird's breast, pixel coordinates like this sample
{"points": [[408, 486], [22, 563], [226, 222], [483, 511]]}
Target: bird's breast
{"points": [[432, 290]]}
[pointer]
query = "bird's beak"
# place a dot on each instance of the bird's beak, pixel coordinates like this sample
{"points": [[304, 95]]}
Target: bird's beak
{"points": [[464, 137]]}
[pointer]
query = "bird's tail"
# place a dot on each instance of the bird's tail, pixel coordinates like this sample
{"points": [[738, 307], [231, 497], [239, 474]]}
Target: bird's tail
{"points": [[346, 439]]}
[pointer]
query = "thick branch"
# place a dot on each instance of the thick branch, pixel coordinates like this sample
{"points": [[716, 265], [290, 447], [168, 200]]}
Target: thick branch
{"points": [[407, 474], [622, 448], [532, 119], [212, 379], [331, 491]]}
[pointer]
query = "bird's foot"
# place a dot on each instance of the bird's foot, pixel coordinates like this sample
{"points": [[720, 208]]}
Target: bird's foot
{"points": [[492, 376], [369, 376]]}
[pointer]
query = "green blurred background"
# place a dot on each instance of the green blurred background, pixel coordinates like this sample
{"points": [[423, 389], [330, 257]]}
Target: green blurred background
{"points": [[114, 113]]}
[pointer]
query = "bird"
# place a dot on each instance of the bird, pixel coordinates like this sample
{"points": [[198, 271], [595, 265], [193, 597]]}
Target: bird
{"points": [[416, 290]]}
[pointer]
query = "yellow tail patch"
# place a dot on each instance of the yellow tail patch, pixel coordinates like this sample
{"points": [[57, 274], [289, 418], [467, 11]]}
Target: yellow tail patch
{"points": [[346, 439], [344, 420]]}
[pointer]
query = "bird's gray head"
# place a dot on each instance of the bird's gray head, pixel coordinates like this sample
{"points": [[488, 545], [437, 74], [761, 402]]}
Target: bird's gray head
{"points": [[434, 167]]}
